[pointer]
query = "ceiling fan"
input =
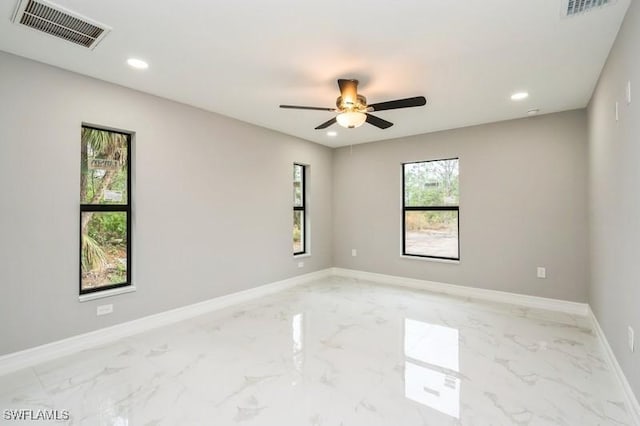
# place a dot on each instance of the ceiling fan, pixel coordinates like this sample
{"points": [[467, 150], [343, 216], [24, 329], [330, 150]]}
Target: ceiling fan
{"points": [[353, 110]]}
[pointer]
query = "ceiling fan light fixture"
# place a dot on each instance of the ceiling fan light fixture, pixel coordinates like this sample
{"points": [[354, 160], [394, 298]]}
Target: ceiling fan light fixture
{"points": [[353, 111], [351, 119]]}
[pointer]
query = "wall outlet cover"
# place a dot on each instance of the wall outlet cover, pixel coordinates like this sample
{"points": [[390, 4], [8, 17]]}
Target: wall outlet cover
{"points": [[300, 264], [104, 310], [354, 252], [542, 272]]}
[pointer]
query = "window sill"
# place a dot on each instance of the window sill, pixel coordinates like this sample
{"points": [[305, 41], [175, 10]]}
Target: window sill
{"points": [[107, 293], [431, 259], [300, 256]]}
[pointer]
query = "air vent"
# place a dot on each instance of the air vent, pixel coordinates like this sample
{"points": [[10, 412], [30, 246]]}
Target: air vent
{"points": [[576, 7], [57, 21]]}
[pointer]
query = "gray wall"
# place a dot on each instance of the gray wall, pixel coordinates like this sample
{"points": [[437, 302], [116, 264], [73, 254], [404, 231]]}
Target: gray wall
{"points": [[212, 202], [523, 204], [614, 152]]}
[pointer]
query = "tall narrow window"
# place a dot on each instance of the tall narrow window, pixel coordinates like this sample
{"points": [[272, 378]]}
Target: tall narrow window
{"points": [[105, 210], [299, 210], [431, 209]]}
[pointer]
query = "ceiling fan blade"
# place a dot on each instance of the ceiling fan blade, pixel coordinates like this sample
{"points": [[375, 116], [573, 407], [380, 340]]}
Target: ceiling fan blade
{"points": [[400, 103], [348, 89], [307, 107], [378, 122], [326, 124]]}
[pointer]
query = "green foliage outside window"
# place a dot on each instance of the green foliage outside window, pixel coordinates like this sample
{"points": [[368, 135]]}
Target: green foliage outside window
{"points": [[431, 184], [103, 181]]}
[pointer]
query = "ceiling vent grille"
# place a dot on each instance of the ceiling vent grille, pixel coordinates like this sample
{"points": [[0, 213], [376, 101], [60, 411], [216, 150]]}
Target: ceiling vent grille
{"points": [[52, 19], [576, 7]]}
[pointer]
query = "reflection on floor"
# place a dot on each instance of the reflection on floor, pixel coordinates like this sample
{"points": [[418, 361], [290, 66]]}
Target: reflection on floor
{"points": [[431, 376], [338, 352]]}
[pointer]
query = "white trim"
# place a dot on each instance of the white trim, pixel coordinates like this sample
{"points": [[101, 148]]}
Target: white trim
{"points": [[106, 293], [430, 259], [631, 401], [557, 305], [26, 358]]}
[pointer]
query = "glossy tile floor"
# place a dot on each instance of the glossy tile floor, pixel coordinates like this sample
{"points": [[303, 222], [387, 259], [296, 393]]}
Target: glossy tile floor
{"points": [[338, 352]]}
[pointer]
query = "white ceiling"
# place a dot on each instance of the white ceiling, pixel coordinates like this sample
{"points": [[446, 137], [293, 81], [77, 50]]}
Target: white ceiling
{"points": [[244, 58]]}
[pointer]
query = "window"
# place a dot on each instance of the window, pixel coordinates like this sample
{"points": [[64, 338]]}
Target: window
{"points": [[431, 209], [299, 210], [105, 210]]}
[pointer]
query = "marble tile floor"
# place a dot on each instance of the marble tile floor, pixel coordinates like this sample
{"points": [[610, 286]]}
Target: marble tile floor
{"points": [[337, 352]]}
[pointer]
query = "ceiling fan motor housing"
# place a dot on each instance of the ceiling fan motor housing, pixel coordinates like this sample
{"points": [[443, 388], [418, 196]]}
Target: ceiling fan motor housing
{"points": [[347, 104]]}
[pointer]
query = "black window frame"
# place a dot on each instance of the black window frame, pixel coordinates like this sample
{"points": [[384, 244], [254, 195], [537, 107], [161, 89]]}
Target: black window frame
{"points": [[406, 209], [102, 208], [302, 208]]}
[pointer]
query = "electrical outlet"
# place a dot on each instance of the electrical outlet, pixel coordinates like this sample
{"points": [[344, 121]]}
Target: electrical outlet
{"points": [[300, 264], [630, 336], [629, 92], [542, 272], [104, 310], [354, 252]]}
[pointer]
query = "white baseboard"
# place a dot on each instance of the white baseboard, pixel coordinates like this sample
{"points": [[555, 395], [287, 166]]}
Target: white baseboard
{"points": [[630, 398], [26, 358], [573, 308]]}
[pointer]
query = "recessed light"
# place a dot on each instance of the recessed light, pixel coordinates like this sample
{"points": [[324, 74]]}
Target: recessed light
{"points": [[519, 96], [533, 111], [332, 134], [138, 64]]}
